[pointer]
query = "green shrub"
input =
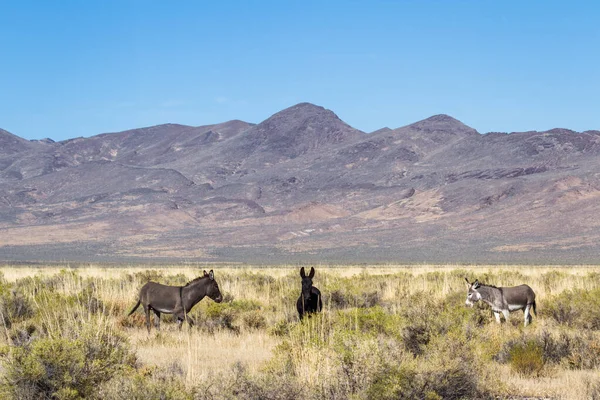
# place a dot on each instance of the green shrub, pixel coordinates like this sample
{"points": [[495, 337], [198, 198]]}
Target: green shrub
{"points": [[593, 278], [455, 382], [358, 358], [136, 320], [428, 318], [551, 279], [245, 305], [571, 349], [231, 316], [401, 382], [146, 276], [30, 285], [280, 328], [219, 316], [527, 358], [254, 320], [250, 278], [65, 367], [415, 338], [240, 384], [554, 348], [584, 352], [339, 299], [88, 299], [23, 336], [57, 281], [577, 308], [145, 383], [14, 307], [395, 382], [374, 321]]}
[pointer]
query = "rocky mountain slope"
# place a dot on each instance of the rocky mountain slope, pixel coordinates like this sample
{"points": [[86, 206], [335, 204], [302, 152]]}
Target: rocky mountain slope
{"points": [[303, 186]]}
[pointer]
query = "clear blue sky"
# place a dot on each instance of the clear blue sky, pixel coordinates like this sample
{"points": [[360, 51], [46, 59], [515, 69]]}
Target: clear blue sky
{"points": [[79, 68]]}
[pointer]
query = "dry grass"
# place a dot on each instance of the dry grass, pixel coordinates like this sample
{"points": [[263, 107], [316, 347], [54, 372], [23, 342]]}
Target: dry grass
{"points": [[201, 356], [197, 354]]}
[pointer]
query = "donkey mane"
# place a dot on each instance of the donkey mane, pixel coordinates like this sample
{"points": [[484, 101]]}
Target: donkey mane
{"points": [[195, 280], [485, 284]]}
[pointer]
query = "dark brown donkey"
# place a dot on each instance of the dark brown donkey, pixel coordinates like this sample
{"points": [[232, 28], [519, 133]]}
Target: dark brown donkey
{"points": [[177, 300], [310, 298]]}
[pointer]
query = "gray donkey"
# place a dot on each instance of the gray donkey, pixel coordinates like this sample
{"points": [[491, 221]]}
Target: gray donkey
{"points": [[503, 299], [177, 300]]}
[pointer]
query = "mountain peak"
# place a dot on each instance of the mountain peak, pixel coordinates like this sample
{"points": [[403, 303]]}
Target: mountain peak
{"points": [[385, 129], [301, 115], [303, 110], [442, 118], [442, 123], [296, 130], [307, 105]]}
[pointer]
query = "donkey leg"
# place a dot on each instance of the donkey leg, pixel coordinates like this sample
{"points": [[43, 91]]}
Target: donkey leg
{"points": [[527, 315], [157, 321], [190, 321], [497, 315], [506, 314], [147, 311], [180, 318]]}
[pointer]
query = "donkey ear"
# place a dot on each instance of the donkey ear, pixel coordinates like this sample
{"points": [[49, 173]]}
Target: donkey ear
{"points": [[205, 273], [302, 273], [312, 272], [468, 283], [211, 275], [476, 284]]}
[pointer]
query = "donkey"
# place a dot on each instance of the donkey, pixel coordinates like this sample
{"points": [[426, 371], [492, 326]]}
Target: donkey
{"points": [[310, 299], [503, 299], [177, 300]]}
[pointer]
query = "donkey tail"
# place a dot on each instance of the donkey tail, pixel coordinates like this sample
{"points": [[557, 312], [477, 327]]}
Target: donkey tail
{"points": [[134, 308], [534, 311]]}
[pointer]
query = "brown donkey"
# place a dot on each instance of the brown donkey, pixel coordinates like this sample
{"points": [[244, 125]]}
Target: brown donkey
{"points": [[177, 300]]}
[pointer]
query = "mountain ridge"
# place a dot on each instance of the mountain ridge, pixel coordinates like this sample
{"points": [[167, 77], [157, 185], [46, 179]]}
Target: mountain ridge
{"points": [[303, 185]]}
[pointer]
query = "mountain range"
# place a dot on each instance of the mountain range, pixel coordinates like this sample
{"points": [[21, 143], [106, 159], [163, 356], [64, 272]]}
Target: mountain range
{"points": [[303, 186]]}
